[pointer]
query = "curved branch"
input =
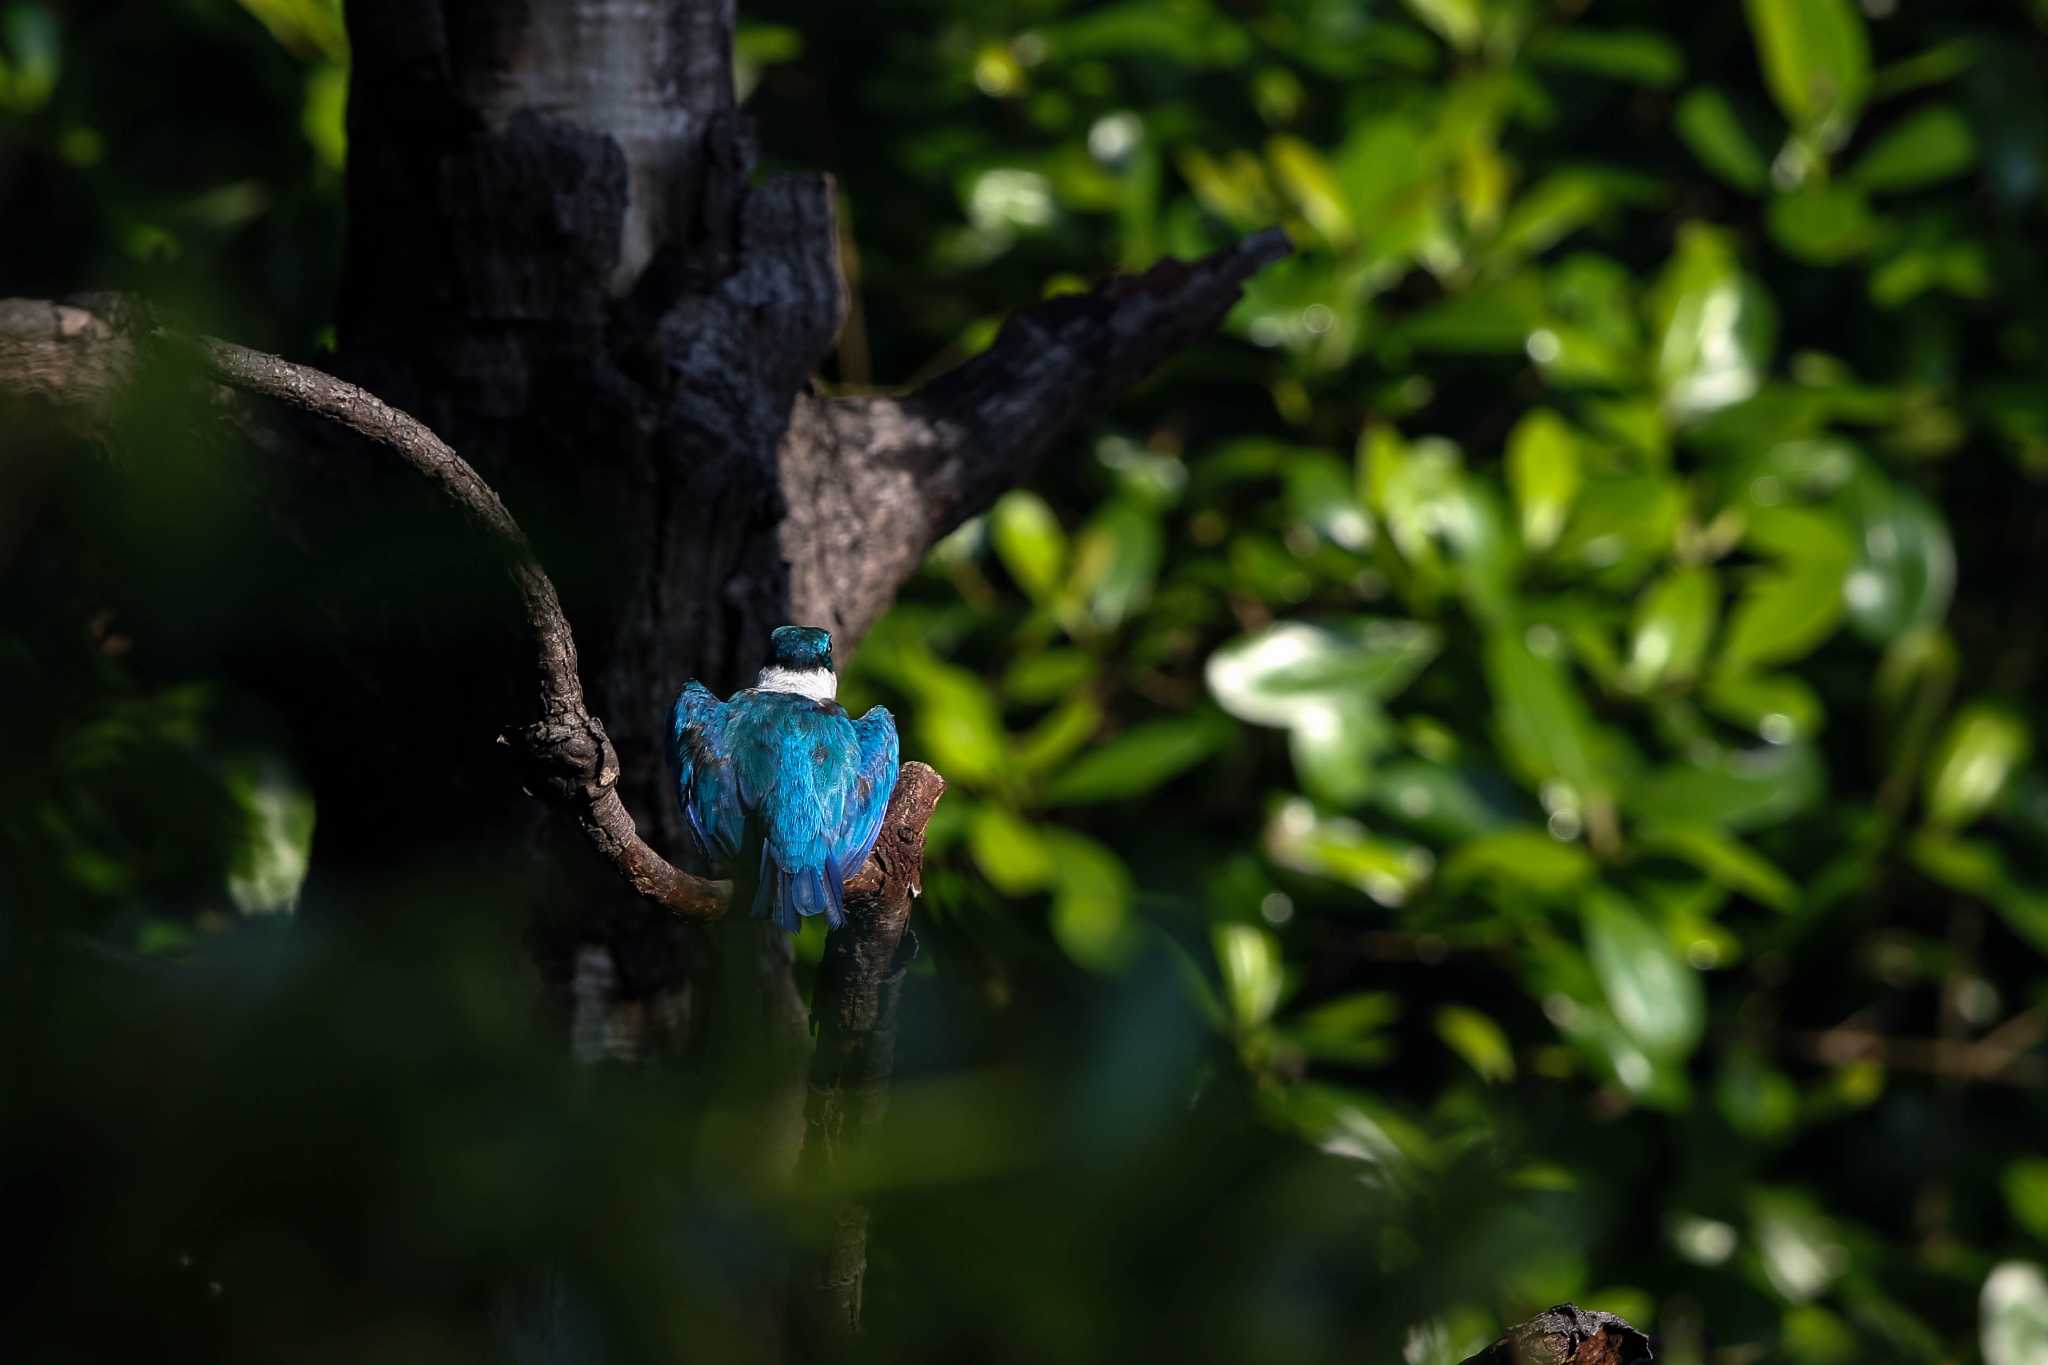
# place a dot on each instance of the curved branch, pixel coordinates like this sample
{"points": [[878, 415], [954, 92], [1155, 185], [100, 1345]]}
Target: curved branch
{"points": [[1568, 1335], [63, 357]]}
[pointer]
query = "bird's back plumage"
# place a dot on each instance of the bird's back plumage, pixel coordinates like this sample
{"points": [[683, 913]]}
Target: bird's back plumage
{"points": [[785, 792]]}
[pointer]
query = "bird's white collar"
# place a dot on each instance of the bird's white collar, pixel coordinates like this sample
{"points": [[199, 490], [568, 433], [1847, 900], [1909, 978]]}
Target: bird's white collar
{"points": [[819, 684]]}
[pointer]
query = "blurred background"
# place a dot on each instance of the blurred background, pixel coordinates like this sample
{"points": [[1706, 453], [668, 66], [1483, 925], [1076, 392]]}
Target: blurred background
{"points": [[1507, 776]]}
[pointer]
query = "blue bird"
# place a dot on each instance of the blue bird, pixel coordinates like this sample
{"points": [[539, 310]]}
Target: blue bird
{"points": [[779, 786]]}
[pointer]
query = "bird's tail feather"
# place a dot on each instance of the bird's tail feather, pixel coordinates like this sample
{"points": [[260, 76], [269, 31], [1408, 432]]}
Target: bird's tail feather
{"points": [[789, 895]]}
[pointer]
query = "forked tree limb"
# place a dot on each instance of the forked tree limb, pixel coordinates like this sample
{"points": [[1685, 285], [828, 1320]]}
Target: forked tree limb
{"points": [[58, 356]]}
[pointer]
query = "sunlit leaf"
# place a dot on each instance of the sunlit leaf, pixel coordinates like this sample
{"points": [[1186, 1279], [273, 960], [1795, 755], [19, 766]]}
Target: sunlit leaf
{"points": [[1928, 146], [1027, 537], [1824, 224], [1707, 122], [2013, 1314], [1344, 850], [1458, 22], [1543, 470], [1674, 622], [1716, 327], [1973, 762], [1253, 979], [1350, 1030], [269, 861], [1294, 669], [1726, 860], [1138, 760], [1519, 861], [1543, 721], [1635, 55], [1655, 994], [1478, 1040], [1979, 868], [1090, 916], [1010, 851], [2025, 1183], [1735, 790], [1816, 60]]}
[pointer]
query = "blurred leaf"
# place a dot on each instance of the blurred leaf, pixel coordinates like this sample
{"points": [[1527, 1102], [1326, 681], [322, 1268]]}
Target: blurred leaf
{"points": [[1139, 759], [1293, 669], [1906, 570], [1551, 210], [1444, 802], [1343, 850], [1816, 60], [1028, 539], [1716, 327], [1457, 22], [1758, 1100], [2025, 1183], [1057, 737], [1654, 993], [1116, 560], [1543, 722], [268, 863], [1010, 851], [1519, 860], [1478, 1040], [1727, 861], [1253, 979], [1091, 904], [1926, 147], [1824, 224], [1707, 122], [1799, 1246], [1784, 613], [1636, 55], [1543, 470], [1674, 623], [1973, 762], [1313, 186], [1734, 790], [2014, 1309], [1350, 1030]]}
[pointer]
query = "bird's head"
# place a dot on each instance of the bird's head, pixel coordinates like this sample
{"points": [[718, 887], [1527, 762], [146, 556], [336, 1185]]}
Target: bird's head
{"points": [[800, 660]]}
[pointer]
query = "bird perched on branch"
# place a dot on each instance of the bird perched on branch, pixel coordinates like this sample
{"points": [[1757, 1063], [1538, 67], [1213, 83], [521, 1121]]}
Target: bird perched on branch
{"points": [[780, 788]]}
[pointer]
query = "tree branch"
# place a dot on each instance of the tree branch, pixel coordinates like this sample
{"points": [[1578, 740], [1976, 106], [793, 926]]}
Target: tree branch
{"points": [[856, 472], [59, 358], [859, 983]]}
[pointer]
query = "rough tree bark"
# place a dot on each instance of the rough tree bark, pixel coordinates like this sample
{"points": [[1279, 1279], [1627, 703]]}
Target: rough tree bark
{"points": [[1568, 1335], [558, 258]]}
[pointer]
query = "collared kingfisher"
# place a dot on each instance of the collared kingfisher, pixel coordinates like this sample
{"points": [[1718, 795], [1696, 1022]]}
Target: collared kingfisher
{"points": [[779, 786]]}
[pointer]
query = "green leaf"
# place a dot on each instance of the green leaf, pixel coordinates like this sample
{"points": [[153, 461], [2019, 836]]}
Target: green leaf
{"points": [[1091, 916], [1925, 148], [1726, 860], [1477, 1039], [1973, 762], [1519, 861], [269, 858], [1674, 622], [2013, 1314], [1639, 56], [1028, 539], [1654, 993], [1707, 122], [1816, 61], [1734, 790], [1009, 850], [1543, 722], [1716, 327], [1295, 670], [1057, 737], [1313, 187], [1343, 850], [1138, 760], [1253, 979], [1551, 210], [1350, 1030], [1457, 22], [1905, 571], [2025, 1183], [1824, 224], [1785, 612], [1758, 1100], [1543, 470], [1116, 560]]}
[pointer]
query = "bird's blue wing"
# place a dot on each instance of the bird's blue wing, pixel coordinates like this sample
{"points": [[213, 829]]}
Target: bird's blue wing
{"points": [[874, 782], [707, 781]]}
